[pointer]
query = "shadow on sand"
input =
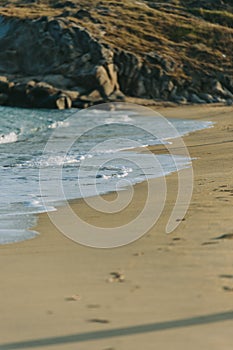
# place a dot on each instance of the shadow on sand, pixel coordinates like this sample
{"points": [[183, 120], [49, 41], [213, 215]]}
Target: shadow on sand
{"points": [[120, 332]]}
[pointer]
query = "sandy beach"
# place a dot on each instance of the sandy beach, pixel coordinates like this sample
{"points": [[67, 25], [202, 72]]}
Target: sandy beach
{"points": [[168, 291]]}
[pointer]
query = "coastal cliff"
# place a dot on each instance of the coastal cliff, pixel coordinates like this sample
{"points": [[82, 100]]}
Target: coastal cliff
{"points": [[62, 54]]}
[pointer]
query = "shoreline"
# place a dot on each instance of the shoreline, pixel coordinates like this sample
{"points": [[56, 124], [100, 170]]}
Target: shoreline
{"points": [[54, 287]]}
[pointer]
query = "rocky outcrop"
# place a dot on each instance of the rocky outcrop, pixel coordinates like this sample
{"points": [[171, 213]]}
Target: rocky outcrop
{"points": [[42, 60], [54, 63], [152, 77]]}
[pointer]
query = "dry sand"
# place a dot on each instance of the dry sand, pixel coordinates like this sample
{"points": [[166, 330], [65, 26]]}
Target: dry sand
{"points": [[177, 291]]}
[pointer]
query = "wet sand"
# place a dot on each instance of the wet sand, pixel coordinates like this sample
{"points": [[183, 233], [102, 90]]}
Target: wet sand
{"points": [[168, 291]]}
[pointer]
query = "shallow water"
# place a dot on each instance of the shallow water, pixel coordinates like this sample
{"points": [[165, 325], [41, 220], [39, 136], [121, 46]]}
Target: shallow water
{"points": [[88, 151]]}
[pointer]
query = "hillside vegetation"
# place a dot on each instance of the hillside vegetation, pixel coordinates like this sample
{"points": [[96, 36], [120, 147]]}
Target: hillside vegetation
{"points": [[194, 37]]}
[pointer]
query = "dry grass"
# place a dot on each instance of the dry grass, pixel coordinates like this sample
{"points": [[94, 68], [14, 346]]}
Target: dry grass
{"points": [[200, 39]]}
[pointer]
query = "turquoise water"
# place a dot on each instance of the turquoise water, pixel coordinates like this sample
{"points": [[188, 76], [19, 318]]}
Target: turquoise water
{"points": [[93, 150]]}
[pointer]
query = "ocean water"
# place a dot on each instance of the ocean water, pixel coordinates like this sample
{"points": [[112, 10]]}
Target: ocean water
{"points": [[88, 152]]}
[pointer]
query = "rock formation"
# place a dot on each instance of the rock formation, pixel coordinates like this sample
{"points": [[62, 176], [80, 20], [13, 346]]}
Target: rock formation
{"points": [[52, 62]]}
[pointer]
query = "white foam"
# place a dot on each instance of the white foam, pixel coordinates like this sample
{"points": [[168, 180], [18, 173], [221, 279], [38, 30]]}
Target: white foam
{"points": [[9, 138], [48, 162], [59, 124]]}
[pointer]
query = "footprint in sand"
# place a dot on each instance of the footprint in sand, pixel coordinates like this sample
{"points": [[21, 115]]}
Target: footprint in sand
{"points": [[223, 189], [74, 297], [209, 243], [227, 289], [226, 276], [98, 320], [116, 277], [225, 236]]}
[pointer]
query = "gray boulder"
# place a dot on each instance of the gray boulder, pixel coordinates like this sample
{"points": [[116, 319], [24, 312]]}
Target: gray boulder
{"points": [[206, 97], [196, 99], [221, 91], [179, 99], [229, 102]]}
